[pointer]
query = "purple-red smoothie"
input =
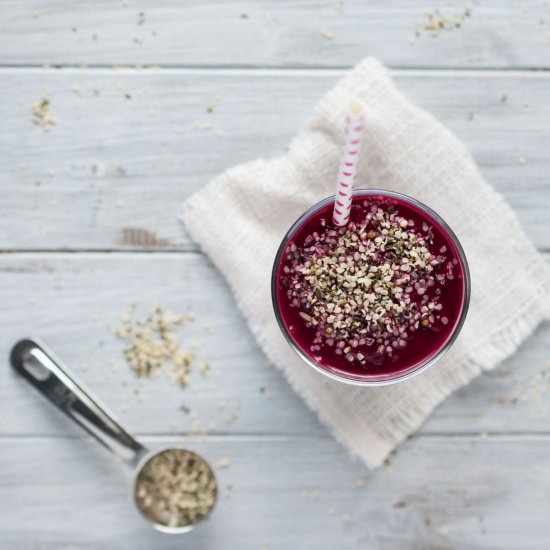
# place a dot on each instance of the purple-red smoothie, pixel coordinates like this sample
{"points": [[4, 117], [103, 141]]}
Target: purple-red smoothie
{"points": [[376, 299]]}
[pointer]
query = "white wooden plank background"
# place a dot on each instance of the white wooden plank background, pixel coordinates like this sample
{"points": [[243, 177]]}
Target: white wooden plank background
{"points": [[50, 295], [275, 33], [440, 492], [88, 225], [90, 180]]}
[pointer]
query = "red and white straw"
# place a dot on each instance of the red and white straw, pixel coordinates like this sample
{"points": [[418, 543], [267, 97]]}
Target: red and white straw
{"points": [[348, 164]]}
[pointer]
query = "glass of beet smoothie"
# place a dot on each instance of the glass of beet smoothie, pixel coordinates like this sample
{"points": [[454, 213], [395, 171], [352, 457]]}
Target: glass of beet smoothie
{"points": [[376, 301]]}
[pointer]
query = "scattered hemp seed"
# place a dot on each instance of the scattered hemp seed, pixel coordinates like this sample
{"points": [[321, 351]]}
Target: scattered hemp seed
{"points": [[229, 418], [437, 21], [522, 161], [117, 172], [153, 342], [388, 463], [427, 520], [534, 392], [35, 14], [196, 424], [41, 114], [175, 488], [329, 35], [222, 463]]}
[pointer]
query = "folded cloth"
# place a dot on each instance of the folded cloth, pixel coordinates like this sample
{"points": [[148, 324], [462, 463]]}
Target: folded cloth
{"points": [[404, 149]]}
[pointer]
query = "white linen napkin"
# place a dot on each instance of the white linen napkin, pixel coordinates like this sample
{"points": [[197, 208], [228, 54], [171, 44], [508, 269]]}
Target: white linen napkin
{"points": [[240, 218]]}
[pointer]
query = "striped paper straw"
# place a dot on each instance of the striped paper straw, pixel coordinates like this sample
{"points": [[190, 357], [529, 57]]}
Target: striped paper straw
{"points": [[348, 164]]}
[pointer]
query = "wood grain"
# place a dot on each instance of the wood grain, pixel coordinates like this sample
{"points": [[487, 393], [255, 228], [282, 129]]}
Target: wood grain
{"points": [[75, 301], [274, 33], [460, 493], [104, 185], [113, 170]]}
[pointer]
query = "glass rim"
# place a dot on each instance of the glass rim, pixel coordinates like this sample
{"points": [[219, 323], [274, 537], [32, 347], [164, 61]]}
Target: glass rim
{"points": [[431, 360]]}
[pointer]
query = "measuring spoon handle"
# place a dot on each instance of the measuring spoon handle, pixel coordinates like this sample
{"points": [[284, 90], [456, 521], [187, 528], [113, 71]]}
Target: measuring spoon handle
{"points": [[47, 374]]}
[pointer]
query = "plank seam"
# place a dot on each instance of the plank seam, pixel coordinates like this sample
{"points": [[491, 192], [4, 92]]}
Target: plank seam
{"points": [[254, 436], [240, 70]]}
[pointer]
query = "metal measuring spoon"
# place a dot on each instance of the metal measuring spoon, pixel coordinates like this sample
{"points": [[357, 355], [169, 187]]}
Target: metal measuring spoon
{"points": [[45, 372]]}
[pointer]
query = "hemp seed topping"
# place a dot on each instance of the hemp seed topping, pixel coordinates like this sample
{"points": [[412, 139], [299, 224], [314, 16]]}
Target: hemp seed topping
{"points": [[370, 285]]}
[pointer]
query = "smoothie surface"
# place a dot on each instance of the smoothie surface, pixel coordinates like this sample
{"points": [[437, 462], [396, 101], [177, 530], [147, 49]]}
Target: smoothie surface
{"points": [[375, 299]]}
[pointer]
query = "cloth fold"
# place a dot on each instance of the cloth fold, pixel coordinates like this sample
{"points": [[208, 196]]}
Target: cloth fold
{"points": [[405, 149]]}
